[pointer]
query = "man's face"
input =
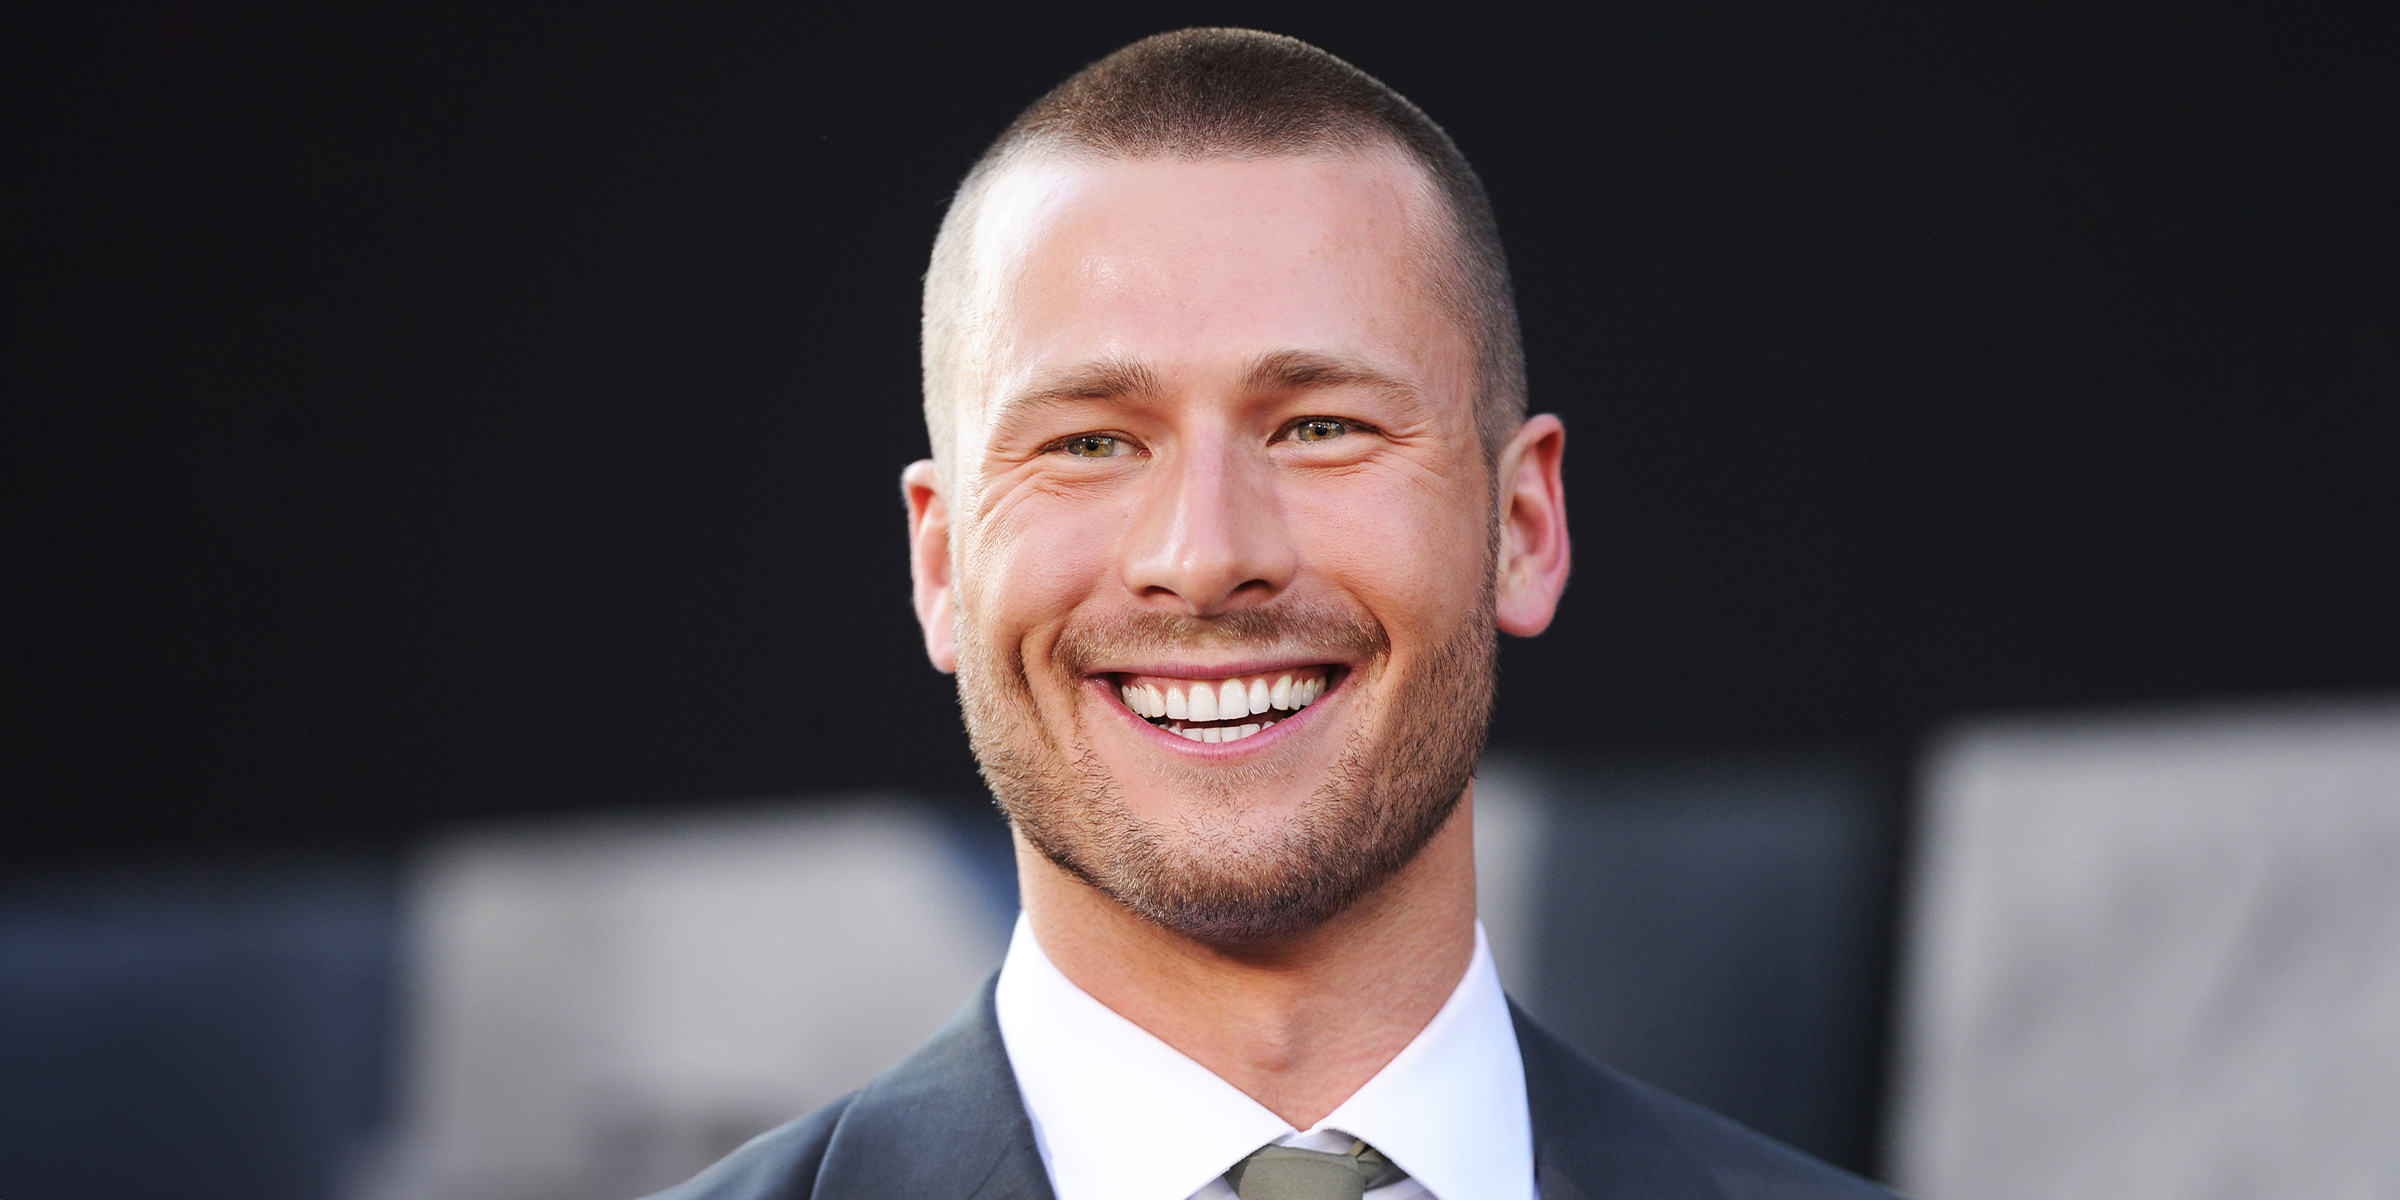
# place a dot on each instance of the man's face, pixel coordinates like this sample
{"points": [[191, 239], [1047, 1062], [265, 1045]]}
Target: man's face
{"points": [[1219, 531]]}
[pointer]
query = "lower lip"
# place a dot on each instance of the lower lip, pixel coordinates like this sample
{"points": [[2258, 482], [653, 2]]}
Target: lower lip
{"points": [[1256, 741]]}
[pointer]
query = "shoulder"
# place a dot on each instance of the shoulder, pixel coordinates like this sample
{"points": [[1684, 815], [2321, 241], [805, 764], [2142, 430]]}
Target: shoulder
{"points": [[780, 1164], [944, 1123], [1598, 1133]]}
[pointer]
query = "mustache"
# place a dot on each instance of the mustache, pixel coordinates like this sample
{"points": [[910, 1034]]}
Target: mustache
{"points": [[1296, 629]]}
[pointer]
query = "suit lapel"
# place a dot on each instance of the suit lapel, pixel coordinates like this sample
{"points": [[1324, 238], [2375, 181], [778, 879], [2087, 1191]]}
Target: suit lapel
{"points": [[945, 1123], [1593, 1139]]}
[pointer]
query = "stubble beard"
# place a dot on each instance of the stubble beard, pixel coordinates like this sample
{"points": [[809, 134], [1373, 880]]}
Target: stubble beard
{"points": [[1215, 872]]}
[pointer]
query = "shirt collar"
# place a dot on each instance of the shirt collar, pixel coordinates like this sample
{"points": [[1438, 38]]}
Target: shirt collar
{"points": [[1120, 1115]]}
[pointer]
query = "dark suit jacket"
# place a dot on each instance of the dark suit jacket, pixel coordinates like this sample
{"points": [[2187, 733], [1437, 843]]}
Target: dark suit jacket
{"points": [[946, 1123]]}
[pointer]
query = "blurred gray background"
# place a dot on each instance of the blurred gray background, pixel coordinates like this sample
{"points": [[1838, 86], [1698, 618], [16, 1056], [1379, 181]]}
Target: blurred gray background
{"points": [[2149, 954]]}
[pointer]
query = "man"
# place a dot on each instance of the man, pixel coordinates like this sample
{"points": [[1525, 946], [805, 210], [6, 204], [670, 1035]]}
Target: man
{"points": [[1232, 489]]}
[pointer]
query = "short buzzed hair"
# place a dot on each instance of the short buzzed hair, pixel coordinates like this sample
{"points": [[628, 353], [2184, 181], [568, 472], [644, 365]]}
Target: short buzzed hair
{"points": [[1240, 94]]}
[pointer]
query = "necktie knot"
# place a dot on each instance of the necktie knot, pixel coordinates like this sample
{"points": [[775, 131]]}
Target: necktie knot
{"points": [[1274, 1172]]}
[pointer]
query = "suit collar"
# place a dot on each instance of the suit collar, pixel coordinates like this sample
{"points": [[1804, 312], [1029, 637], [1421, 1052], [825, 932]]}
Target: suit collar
{"points": [[946, 1122]]}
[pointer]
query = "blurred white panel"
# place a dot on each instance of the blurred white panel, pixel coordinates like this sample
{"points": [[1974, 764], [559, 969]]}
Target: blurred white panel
{"points": [[1511, 812], [2157, 957], [602, 1007]]}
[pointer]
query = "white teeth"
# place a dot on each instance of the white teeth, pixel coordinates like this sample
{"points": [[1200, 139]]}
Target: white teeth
{"points": [[1224, 700]]}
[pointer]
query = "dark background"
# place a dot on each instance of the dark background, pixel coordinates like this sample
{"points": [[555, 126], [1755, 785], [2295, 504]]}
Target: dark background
{"points": [[418, 413]]}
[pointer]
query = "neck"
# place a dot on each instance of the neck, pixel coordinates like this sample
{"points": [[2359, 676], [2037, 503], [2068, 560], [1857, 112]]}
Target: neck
{"points": [[1299, 1023]]}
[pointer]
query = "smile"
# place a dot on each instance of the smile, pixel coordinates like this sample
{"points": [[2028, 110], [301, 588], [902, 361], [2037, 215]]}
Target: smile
{"points": [[1221, 710]]}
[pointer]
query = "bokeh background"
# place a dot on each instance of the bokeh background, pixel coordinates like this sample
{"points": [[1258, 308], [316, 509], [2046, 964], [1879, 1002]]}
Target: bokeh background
{"points": [[445, 441]]}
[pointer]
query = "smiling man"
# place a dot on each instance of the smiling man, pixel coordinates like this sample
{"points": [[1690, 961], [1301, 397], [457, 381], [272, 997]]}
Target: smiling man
{"points": [[1232, 490]]}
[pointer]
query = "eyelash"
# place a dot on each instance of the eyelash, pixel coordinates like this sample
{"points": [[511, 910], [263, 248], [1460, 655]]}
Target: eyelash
{"points": [[1065, 445], [1290, 433]]}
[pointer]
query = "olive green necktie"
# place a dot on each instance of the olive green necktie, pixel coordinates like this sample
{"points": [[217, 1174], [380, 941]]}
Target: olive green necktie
{"points": [[1289, 1173]]}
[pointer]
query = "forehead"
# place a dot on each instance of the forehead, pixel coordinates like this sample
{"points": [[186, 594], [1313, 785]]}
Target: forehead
{"points": [[1190, 267]]}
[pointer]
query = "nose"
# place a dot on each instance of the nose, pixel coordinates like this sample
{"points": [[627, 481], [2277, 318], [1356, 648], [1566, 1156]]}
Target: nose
{"points": [[1211, 537]]}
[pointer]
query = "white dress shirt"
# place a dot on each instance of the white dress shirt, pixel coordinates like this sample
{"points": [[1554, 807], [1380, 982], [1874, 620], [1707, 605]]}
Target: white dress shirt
{"points": [[1120, 1115]]}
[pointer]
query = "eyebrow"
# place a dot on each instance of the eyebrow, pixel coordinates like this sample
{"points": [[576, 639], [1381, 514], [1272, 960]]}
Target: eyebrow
{"points": [[1300, 370], [1104, 379]]}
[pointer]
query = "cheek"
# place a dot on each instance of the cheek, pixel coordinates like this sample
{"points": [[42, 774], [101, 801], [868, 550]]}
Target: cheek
{"points": [[1035, 559], [1414, 558]]}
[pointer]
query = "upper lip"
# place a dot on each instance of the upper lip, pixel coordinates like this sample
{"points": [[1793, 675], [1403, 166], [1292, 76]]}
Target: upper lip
{"points": [[1224, 670]]}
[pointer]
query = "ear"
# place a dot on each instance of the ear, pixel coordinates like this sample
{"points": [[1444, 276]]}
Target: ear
{"points": [[929, 560], [1534, 556]]}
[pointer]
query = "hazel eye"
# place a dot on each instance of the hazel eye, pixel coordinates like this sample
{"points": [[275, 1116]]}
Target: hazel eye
{"points": [[1093, 445], [1318, 429]]}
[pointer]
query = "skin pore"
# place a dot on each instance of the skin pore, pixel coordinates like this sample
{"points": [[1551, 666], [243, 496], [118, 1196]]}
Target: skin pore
{"points": [[1216, 426]]}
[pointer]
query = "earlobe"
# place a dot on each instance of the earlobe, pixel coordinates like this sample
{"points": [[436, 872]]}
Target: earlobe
{"points": [[929, 560], [1534, 552]]}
